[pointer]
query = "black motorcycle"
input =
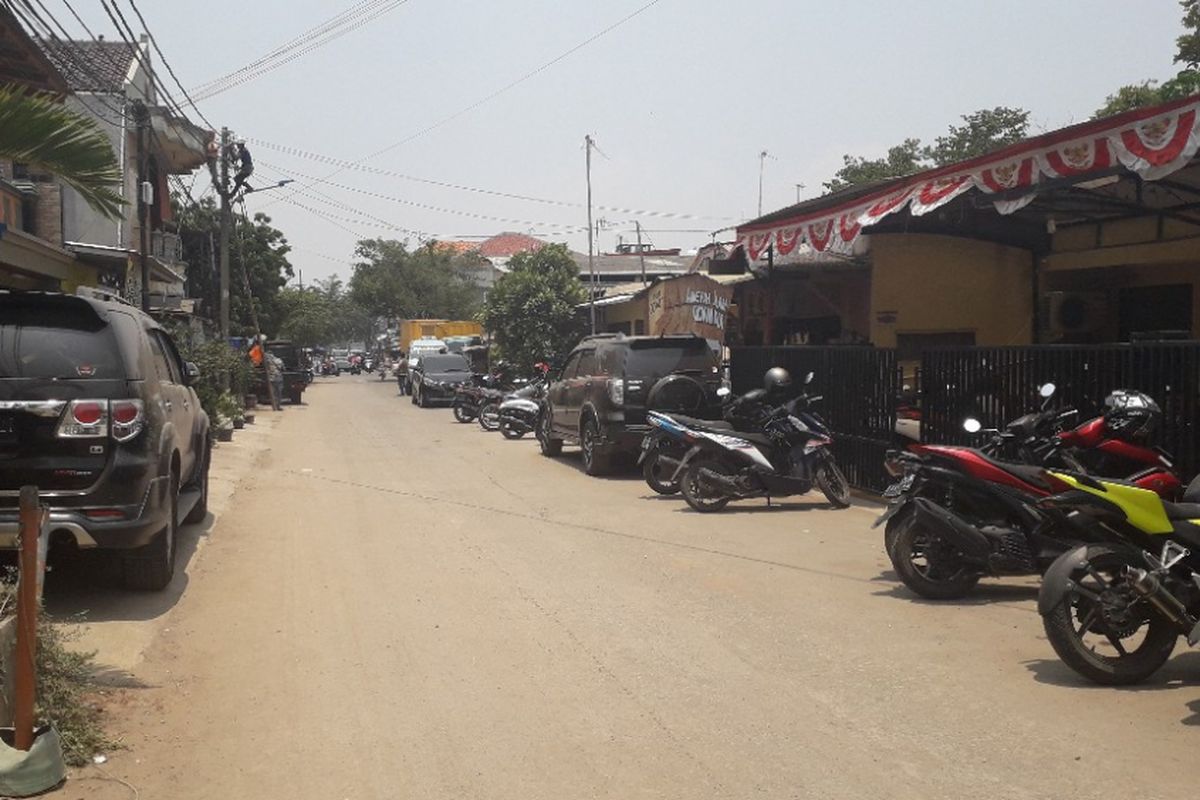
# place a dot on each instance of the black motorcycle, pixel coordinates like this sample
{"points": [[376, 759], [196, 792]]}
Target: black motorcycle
{"points": [[519, 411], [791, 456]]}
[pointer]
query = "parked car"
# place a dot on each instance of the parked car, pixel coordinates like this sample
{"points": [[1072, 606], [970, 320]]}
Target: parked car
{"points": [[434, 377], [97, 410], [600, 397]]}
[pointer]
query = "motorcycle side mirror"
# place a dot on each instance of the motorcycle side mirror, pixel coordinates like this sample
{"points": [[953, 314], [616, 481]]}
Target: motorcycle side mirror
{"points": [[972, 425], [1047, 390], [808, 379], [723, 392]]}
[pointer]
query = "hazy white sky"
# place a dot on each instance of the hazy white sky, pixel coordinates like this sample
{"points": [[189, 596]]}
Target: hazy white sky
{"points": [[680, 99]]}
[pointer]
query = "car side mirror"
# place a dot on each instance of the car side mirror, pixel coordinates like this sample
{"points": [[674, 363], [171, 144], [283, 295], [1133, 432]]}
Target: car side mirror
{"points": [[191, 373]]}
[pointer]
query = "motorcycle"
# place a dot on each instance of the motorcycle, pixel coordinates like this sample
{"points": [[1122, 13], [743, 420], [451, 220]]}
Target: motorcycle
{"points": [[1114, 608], [789, 457], [470, 397], [518, 413], [960, 514]]}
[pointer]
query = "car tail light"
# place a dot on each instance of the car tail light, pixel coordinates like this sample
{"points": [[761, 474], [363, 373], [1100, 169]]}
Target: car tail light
{"points": [[616, 391], [84, 419], [128, 419]]}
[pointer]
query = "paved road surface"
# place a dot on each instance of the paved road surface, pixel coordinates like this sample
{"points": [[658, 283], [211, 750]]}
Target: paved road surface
{"points": [[397, 606]]}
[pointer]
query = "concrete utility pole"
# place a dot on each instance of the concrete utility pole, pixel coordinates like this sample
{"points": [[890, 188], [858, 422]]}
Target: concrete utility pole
{"points": [[588, 144], [762, 161], [142, 117], [641, 255], [799, 191], [226, 224]]}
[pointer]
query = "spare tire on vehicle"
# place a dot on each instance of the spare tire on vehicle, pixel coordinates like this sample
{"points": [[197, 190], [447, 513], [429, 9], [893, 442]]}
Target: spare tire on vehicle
{"points": [[678, 392]]}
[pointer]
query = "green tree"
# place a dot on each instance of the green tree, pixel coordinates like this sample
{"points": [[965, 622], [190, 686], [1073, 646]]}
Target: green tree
{"points": [[903, 159], [256, 244], [1185, 83], [307, 317], [982, 132], [428, 283], [41, 132], [531, 311]]}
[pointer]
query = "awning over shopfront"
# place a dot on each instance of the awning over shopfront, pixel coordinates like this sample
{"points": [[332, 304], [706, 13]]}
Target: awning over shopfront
{"points": [[1151, 143]]}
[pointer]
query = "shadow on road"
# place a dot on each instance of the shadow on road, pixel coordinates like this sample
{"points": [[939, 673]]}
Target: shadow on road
{"points": [[982, 595], [88, 584], [1181, 672]]}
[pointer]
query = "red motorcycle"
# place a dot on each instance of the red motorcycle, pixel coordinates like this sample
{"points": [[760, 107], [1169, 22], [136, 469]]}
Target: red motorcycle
{"points": [[961, 513]]}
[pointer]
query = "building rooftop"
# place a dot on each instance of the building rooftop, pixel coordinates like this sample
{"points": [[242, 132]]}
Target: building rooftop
{"points": [[508, 244], [92, 66]]}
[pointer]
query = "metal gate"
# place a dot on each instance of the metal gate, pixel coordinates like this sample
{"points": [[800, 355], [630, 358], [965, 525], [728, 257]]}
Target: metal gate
{"points": [[860, 386]]}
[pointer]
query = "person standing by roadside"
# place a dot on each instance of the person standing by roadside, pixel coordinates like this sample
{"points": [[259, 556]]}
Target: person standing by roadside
{"points": [[275, 376]]}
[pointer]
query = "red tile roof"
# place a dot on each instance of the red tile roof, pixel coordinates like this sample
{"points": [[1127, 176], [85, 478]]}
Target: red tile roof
{"points": [[506, 245], [457, 248]]}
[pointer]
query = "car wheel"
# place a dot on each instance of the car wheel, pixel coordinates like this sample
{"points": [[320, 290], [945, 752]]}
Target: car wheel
{"points": [[150, 568], [550, 446], [594, 463], [200, 510]]}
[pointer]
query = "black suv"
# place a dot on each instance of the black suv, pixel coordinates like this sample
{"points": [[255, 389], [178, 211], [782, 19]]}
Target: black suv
{"points": [[97, 412], [600, 396]]}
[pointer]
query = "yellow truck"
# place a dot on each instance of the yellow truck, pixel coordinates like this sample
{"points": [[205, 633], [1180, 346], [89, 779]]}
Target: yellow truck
{"points": [[411, 329]]}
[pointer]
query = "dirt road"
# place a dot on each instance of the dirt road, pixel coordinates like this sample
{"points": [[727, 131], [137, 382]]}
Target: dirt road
{"points": [[397, 606]]}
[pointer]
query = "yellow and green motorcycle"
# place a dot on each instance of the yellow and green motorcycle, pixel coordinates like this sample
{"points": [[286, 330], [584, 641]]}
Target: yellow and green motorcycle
{"points": [[1114, 609]]}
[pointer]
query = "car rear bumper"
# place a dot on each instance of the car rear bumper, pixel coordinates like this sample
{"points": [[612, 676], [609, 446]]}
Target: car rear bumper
{"points": [[617, 437], [138, 526]]}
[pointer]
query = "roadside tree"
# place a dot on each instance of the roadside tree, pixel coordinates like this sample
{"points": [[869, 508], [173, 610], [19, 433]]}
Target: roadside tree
{"points": [[531, 311], [391, 281]]}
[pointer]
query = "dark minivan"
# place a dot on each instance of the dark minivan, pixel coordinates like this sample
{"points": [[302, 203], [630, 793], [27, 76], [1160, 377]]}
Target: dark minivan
{"points": [[97, 411], [600, 397]]}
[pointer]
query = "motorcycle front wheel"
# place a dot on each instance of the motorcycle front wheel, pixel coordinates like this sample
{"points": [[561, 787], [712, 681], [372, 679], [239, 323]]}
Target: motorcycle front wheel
{"points": [[657, 478], [930, 567], [462, 414], [509, 431], [833, 484], [1102, 629], [700, 497], [489, 417]]}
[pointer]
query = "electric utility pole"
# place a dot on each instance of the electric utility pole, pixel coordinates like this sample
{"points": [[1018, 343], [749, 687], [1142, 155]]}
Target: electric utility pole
{"points": [[762, 160], [641, 255], [142, 117], [588, 144], [226, 224]]}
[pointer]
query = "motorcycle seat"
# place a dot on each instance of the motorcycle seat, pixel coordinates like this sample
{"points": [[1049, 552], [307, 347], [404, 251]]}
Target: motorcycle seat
{"points": [[1035, 476], [704, 424], [1182, 511]]}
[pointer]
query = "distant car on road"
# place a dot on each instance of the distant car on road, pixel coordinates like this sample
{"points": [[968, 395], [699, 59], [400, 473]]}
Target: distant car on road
{"points": [[435, 375], [600, 397], [97, 411]]}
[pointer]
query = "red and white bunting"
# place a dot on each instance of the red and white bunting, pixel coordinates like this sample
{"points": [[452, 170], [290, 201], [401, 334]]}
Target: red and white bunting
{"points": [[1152, 145]]}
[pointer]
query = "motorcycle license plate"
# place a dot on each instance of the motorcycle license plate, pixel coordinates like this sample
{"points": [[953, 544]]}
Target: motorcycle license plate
{"points": [[899, 487]]}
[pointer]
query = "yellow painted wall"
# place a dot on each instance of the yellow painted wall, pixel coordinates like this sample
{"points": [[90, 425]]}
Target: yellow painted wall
{"points": [[943, 283]]}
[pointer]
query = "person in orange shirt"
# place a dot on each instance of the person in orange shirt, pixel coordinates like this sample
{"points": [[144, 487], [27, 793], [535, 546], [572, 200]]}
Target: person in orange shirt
{"points": [[256, 354]]}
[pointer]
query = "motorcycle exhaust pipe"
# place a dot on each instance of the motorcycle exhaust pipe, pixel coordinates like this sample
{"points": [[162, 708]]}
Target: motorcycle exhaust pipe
{"points": [[1148, 585], [967, 538]]}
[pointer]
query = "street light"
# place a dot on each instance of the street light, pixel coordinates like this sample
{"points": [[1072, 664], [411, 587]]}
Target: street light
{"points": [[279, 185]]}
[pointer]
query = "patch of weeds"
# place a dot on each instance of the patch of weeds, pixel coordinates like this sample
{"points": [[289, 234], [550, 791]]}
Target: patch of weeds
{"points": [[66, 693]]}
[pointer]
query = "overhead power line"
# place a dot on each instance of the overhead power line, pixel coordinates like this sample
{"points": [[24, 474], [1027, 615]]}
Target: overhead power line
{"points": [[332, 29], [361, 167], [162, 57], [506, 88]]}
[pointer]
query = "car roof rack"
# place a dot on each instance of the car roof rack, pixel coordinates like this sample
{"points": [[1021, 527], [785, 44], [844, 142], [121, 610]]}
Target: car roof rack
{"points": [[101, 293]]}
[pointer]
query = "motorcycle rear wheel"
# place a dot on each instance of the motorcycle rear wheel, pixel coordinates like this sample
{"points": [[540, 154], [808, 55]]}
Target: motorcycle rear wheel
{"points": [[509, 431], [489, 417], [657, 478], [833, 484], [462, 414], [694, 492], [1078, 616], [929, 567]]}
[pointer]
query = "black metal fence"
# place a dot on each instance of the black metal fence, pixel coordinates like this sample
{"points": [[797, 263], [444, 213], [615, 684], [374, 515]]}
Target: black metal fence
{"points": [[997, 384], [860, 386]]}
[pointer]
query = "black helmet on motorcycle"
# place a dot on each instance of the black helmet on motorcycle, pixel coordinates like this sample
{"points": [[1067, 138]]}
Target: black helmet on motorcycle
{"points": [[777, 380], [1131, 416]]}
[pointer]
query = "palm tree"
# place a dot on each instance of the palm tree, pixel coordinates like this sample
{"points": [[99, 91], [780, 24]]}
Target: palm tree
{"points": [[36, 130]]}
